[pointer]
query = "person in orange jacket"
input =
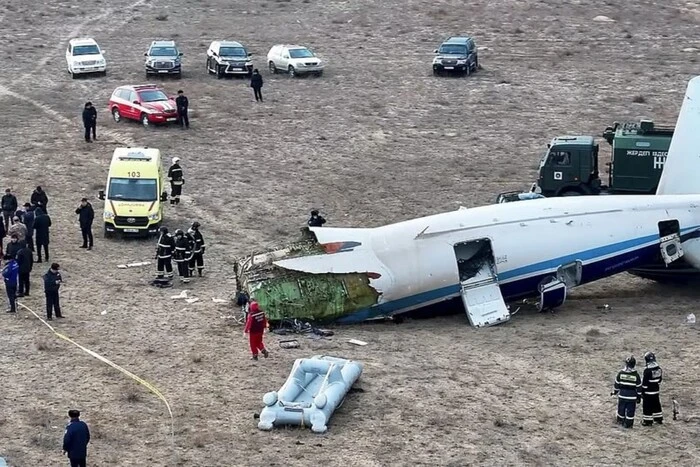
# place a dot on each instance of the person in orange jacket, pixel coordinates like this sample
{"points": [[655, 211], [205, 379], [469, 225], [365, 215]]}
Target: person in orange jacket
{"points": [[255, 326]]}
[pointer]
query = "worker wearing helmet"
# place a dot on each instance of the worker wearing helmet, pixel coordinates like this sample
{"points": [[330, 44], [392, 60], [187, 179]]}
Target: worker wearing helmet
{"points": [[628, 387], [651, 401], [176, 179], [164, 254], [183, 251], [198, 253]]}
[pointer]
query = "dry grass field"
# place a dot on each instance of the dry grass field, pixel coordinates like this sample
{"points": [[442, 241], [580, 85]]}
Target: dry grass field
{"points": [[377, 139]]}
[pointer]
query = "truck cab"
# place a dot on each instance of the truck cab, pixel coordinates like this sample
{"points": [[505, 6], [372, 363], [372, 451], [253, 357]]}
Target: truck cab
{"points": [[134, 192], [569, 167]]}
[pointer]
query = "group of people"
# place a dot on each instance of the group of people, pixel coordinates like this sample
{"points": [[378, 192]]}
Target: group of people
{"points": [[185, 248], [631, 389]]}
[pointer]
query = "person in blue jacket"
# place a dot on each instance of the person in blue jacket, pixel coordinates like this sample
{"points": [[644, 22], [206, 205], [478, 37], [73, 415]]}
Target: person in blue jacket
{"points": [[76, 439], [10, 273]]}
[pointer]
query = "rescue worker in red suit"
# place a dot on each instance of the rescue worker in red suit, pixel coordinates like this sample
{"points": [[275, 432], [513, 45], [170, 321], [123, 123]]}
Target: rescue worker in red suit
{"points": [[255, 326]]}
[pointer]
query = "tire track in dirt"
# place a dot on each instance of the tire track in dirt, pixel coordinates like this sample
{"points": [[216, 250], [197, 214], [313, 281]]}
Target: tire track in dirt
{"points": [[42, 62], [56, 116]]}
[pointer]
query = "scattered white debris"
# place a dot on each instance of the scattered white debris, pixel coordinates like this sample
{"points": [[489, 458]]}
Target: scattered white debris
{"points": [[356, 342], [219, 300], [603, 19], [133, 265], [104, 312], [183, 294], [690, 319], [192, 300], [482, 48], [690, 49]]}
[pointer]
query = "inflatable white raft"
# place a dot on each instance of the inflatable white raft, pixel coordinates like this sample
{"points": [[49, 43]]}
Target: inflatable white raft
{"points": [[315, 388]]}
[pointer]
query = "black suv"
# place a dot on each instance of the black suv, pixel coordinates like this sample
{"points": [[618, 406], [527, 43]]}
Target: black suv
{"points": [[456, 54]]}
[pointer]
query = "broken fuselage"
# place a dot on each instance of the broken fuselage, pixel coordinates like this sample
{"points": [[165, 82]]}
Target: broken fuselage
{"points": [[489, 255]]}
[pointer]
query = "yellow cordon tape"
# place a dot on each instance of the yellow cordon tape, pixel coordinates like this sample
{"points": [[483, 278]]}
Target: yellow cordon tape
{"points": [[139, 380]]}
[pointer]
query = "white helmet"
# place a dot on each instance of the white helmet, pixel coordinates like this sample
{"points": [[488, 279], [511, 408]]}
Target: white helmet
{"points": [[176, 160]]}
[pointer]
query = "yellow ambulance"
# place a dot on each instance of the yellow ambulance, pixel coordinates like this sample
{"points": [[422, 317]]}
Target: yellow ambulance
{"points": [[134, 193]]}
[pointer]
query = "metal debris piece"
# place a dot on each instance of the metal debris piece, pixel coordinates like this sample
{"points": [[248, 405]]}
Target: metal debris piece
{"points": [[357, 342]]}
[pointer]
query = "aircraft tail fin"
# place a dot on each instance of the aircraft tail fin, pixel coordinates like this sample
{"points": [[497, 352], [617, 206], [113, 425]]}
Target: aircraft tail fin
{"points": [[682, 166]]}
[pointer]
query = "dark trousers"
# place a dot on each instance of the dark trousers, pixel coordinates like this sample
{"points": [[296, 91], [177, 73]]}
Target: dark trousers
{"points": [[184, 118], [30, 241], [24, 283], [625, 412], [165, 265], [651, 408], [77, 462], [182, 268], [45, 246], [87, 235], [197, 260], [53, 304], [90, 129], [12, 296], [175, 192], [258, 94], [7, 218]]}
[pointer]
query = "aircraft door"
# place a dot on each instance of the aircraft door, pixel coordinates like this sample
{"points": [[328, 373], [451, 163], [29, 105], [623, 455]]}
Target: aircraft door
{"points": [[481, 294], [670, 240]]}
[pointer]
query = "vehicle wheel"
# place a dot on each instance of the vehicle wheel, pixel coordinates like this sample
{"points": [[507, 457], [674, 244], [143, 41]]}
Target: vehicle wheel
{"points": [[116, 115], [468, 70], [476, 63], [178, 76], [571, 193], [273, 68], [436, 72], [319, 73], [73, 75], [219, 71], [292, 72], [108, 234], [144, 120], [208, 66]]}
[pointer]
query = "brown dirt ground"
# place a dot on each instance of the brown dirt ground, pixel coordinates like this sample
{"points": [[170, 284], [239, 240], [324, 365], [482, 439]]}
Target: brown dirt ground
{"points": [[376, 140]]}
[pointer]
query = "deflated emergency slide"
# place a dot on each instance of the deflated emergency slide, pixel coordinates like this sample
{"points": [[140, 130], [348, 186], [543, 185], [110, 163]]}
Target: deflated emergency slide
{"points": [[314, 389]]}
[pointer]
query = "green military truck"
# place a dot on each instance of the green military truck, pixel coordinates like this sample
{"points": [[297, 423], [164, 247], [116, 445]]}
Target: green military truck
{"points": [[570, 166], [639, 150]]}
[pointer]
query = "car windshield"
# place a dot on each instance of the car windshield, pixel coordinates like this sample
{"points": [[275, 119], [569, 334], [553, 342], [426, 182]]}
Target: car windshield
{"points": [[152, 96], [133, 189], [453, 49], [163, 52], [300, 53], [233, 52], [86, 50]]}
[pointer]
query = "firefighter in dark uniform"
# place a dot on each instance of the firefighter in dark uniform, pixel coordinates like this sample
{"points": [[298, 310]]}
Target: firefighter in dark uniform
{"points": [[651, 401], [176, 179], [628, 387], [198, 256], [164, 254], [183, 253], [183, 105], [316, 220]]}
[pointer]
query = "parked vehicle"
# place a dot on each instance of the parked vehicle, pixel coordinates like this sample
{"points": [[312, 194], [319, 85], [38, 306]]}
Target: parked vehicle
{"points": [[293, 59], [456, 54], [163, 58], [84, 56], [146, 103], [228, 58]]}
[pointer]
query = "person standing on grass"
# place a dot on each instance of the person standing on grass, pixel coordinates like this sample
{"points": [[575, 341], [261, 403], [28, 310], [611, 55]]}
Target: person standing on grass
{"points": [[28, 220], [9, 206], [10, 274], [255, 326], [42, 223], [256, 82], [85, 216], [39, 199], [25, 259], [183, 105], [76, 439], [52, 282], [90, 122]]}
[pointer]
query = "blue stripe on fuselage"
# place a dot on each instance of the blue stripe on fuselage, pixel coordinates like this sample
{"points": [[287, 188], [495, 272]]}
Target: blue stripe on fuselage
{"points": [[527, 287]]}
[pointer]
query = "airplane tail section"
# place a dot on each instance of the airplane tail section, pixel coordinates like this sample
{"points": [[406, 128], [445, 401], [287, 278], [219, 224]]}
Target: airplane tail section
{"points": [[679, 176]]}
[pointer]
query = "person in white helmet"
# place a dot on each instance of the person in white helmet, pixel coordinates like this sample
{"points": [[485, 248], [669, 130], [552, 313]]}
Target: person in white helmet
{"points": [[176, 179]]}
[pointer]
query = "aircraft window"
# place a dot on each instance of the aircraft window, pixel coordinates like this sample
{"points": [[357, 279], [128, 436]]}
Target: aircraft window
{"points": [[560, 158]]}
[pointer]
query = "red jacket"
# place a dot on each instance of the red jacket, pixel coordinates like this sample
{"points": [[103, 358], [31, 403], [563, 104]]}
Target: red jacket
{"points": [[257, 321]]}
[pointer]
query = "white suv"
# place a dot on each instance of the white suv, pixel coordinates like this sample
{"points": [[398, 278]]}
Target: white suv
{"points": [[84, 56], [228, 58], [293, 59]]}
